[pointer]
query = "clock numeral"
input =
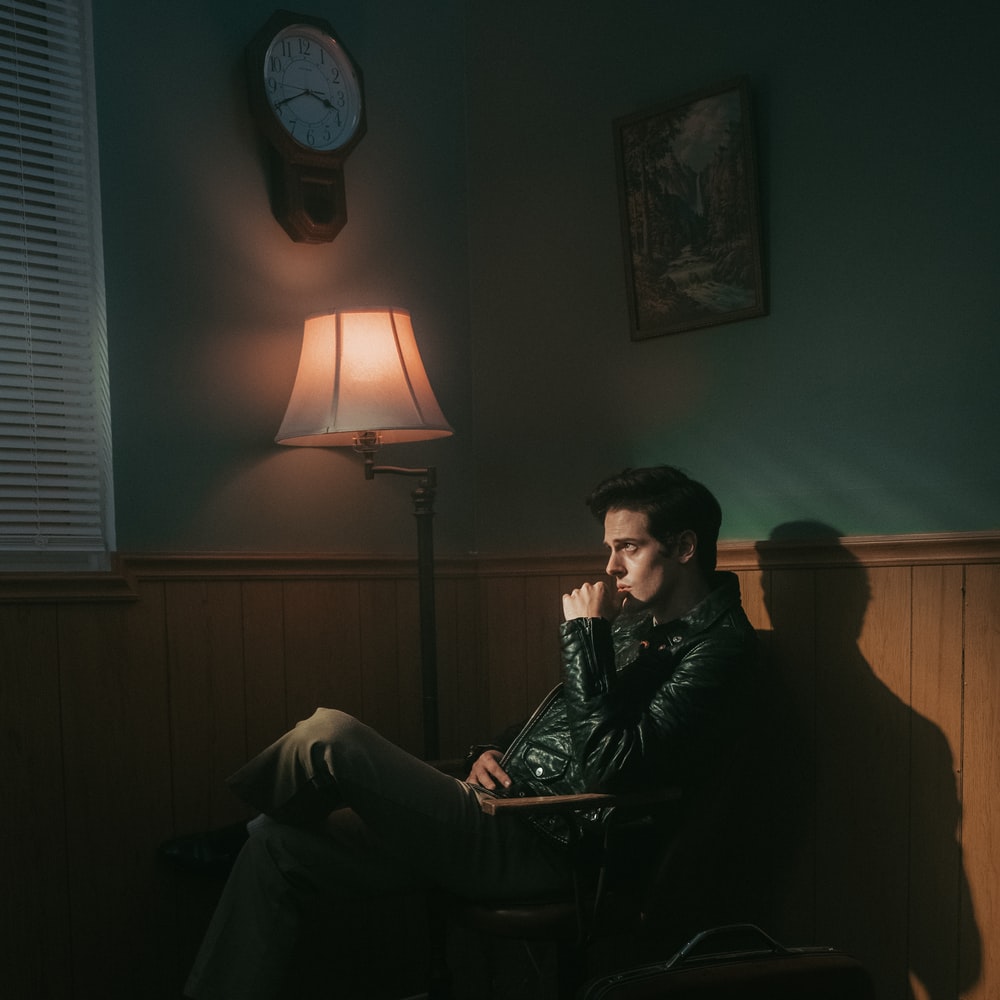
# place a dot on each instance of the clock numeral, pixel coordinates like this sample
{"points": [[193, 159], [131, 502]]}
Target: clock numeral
{"points": [[322, 137], [291, 47]]}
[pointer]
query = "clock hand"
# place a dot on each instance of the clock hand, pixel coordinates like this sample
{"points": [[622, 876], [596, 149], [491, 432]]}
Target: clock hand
{"points": [[322, 98], [306, 92], [292, 97]]}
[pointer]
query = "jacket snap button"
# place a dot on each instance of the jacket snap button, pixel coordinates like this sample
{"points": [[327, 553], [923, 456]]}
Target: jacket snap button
{"points": [[538, 772]]}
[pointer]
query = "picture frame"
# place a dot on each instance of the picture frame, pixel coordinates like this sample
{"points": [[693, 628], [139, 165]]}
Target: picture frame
{"points": [[687, 184]]}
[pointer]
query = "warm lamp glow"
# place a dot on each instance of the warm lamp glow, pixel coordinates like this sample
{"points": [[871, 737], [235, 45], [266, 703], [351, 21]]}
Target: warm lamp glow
{"points": [[360, 371]]}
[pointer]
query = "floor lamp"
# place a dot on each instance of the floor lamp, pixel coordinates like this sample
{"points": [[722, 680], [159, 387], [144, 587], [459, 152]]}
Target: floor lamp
{"points": [[361, 384]]}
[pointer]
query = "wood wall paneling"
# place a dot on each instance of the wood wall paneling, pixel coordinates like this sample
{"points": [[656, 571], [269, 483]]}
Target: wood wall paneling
{"points": [[542, 610], [121, 718], [382, 647], [980, 960], [408, 690], [504, 650], [790, 609], [35, 920], [322, 647], [118, 768], [862, 658], [937, 884], [264, 666], [463, 684], [204, 635]]}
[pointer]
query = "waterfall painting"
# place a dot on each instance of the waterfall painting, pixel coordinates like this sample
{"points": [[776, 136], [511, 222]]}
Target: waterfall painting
{"points": [[687, 183]]}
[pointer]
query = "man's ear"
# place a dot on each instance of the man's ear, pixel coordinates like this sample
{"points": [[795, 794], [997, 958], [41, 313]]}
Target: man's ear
{"points": [[687, 546]]}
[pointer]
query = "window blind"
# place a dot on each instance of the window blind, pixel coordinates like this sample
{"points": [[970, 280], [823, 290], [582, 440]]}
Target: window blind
{"points": [[56, 507]]}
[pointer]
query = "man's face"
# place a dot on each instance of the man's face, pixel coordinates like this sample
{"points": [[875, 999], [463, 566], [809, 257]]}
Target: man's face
{"points": [[642, 570]]}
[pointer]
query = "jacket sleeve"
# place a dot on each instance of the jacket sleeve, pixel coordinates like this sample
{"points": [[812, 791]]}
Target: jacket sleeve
{"points": [[661, 719]]}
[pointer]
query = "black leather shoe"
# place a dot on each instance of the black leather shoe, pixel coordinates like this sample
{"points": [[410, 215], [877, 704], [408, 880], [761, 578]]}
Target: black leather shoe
{"points": [[211, 853]]}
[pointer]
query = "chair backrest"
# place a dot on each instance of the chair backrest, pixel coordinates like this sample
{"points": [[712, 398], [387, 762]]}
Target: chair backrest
{"points": [[718, 866]]}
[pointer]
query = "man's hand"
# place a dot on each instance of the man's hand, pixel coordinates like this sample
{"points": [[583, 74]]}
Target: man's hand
{"points": [[590, 600], [487, 772]]}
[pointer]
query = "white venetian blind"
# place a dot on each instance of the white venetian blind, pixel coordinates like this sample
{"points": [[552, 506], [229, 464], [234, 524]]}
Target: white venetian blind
{"points": [[55, 440]]}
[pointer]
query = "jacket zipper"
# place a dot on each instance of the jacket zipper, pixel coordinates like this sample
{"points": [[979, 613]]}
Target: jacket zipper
{"points": [[538, 712]]}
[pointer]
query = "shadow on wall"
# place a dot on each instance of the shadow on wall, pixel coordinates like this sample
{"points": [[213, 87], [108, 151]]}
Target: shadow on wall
{"points": [[874, 863]]}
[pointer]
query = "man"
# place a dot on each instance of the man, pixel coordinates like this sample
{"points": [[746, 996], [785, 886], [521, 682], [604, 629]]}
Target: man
{"points": [[656, 672]]}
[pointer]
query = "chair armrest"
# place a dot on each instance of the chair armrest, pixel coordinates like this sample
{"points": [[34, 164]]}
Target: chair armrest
{"points": [[545, 804], [585, 801]]}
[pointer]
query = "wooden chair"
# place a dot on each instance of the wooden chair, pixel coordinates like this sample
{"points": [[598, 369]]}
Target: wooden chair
{"points": [[610, 892]]}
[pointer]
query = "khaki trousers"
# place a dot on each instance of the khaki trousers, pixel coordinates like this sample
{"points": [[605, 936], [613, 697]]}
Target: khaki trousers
{"points": [[351, 815]]}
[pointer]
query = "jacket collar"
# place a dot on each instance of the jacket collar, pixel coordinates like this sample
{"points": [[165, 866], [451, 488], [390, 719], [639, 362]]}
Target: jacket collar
{"points": [[723, 598]]}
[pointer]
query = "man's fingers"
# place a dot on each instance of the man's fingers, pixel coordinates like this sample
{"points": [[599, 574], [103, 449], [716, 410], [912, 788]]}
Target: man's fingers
{"points": [[589, 600], [487, 772], [480, 776], [496, 771]]}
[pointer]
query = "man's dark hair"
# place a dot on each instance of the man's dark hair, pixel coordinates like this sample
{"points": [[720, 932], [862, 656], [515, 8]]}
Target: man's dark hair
{"points": [[672, 503]]}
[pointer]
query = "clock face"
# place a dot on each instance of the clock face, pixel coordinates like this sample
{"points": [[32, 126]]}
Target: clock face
{"points": [[312, 88]]}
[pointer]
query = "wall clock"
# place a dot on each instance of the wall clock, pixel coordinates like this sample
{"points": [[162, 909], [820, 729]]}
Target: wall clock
{"points": [[307, 98]]}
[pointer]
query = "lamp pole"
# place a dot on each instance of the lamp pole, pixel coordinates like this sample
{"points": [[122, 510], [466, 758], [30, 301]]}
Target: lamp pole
{"points": [[423, 510]]}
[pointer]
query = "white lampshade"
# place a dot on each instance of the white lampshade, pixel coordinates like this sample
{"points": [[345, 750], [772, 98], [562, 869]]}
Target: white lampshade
{"points": [[360, 371]]}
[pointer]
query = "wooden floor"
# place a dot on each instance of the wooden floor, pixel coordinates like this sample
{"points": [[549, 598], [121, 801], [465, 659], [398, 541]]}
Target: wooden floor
{"points": [[125, 701]]}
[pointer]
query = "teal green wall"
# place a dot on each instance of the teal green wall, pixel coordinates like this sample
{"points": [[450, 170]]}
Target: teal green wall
{"points": [[207, 295], [484, 199], [867, 397]]}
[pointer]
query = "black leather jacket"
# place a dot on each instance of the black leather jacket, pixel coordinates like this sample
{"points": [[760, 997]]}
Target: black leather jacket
{"points": [[640, 707]]}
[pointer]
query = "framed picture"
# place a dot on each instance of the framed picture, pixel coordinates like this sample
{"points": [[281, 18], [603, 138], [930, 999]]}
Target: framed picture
{"points": [[687, 182]]}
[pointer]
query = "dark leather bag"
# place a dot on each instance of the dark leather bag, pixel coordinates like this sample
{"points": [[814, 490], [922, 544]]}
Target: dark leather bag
{"points": [[739, 962]]}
